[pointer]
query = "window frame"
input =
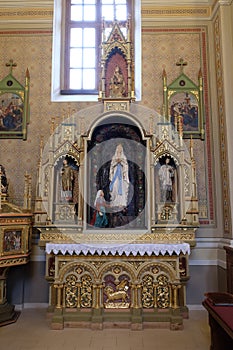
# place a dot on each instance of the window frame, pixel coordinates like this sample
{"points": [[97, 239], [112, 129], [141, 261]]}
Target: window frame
{"points": [[59, 91]]}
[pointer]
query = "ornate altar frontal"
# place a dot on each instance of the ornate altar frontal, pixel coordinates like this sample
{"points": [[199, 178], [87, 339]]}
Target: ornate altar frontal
{"points": [[132, 285], [117, 207]]}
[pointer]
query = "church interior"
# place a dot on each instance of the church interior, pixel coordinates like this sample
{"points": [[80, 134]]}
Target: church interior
{"points": [[115, 167]]}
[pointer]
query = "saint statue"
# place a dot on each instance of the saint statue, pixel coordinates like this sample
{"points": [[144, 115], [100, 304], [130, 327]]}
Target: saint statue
{"points": [[166, 176], [67, 180], [117, 84], [119, 179], [70, 183]]}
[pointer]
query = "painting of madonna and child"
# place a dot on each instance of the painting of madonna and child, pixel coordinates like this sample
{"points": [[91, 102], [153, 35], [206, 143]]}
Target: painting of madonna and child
{"points": [[116, 199]]}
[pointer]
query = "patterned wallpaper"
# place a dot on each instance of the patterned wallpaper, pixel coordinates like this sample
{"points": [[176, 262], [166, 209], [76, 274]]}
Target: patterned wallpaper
{"points": [[161, 49]]}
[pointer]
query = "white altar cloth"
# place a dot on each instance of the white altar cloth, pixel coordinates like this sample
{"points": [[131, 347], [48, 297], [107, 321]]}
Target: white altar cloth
{"points": [[118, 249]]}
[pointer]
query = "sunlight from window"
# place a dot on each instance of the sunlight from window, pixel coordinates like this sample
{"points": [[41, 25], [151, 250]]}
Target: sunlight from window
{"points": [[83, 38], [83, 10], [77, 42]]}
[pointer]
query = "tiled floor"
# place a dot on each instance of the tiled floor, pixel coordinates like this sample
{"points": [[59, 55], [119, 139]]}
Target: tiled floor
{"points": [[31, 331]]}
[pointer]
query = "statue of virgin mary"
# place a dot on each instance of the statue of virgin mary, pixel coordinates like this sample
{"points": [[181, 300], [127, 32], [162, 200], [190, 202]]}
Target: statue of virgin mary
{"points": [[119, 179]]}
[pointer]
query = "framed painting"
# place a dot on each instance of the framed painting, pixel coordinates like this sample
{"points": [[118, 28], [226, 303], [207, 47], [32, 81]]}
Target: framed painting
{"points": [[12, 241], [185, 104], [14, 106], [183, 98]]}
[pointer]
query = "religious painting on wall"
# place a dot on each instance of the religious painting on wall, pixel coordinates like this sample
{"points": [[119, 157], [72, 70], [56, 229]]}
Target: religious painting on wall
{"points": [[11, 113], [14, 106], [12, 241], [185, 104]]}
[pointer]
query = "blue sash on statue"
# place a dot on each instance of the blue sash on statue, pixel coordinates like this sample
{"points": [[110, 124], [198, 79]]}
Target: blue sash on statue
{"points": [[118, 174]]}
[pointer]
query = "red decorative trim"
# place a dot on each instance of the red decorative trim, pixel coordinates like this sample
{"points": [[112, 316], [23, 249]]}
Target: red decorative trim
{"points": [[21, 32]]}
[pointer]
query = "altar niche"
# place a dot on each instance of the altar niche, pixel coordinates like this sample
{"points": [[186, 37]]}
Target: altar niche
{"points": [[167, 190], [66, 189], [123, 182]]}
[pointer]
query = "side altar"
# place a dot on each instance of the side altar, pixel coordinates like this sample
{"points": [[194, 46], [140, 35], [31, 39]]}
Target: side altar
{"points": [[117, 207], [15, 240]]}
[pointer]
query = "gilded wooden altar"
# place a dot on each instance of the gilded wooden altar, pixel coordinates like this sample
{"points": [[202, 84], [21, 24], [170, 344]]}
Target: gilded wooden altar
{"points": [[135, 286], [136, 269]]}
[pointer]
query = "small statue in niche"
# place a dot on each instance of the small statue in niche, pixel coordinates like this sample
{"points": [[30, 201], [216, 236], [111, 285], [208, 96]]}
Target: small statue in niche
{"points": [[67, 180], [166, 177], [70, 183], [117, 84], [4, 182]]}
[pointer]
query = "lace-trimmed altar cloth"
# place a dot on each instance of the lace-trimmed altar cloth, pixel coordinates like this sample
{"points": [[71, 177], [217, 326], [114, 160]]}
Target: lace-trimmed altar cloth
{"points": [[118, 249]]}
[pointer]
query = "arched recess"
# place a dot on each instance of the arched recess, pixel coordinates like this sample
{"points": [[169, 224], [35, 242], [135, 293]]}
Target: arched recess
{"points": [[101, 147], [66, 186]]}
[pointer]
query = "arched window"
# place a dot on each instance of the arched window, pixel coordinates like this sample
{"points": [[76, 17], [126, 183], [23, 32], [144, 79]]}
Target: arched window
{"points": [[76, 44]]}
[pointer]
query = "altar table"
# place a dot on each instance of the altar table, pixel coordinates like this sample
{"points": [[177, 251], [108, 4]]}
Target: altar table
{"points": [[131, 285]]}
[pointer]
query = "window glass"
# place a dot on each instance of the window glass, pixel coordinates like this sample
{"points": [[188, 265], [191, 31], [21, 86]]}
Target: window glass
{"points": [[108, 12], [89, 79], [76, 39], [89, 13], [121, 13], [76, 79], [76, 58], [89, 37], [76, 13], [89, 58]]}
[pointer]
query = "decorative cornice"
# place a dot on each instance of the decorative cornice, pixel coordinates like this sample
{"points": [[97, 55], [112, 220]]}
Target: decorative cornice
{"points": [[26, 3], [25, 13], [18, 13], [45, 10], [183, 11]]}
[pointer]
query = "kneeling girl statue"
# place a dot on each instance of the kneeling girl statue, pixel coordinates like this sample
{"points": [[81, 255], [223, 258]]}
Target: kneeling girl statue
{"points": [[100, 204]]}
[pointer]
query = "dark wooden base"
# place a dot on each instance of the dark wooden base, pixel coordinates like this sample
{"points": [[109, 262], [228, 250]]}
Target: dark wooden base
{"points": [[8, 314]]}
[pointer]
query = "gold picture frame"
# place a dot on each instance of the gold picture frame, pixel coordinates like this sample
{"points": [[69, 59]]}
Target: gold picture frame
{"points": [[184, 98], [14, 106], [15, 240]]}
